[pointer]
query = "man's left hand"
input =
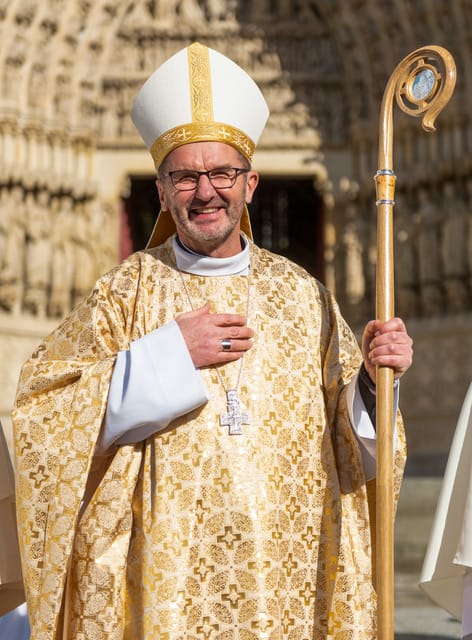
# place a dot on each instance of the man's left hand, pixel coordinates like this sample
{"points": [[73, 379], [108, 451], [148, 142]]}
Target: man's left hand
{"points": [[387, 344]]}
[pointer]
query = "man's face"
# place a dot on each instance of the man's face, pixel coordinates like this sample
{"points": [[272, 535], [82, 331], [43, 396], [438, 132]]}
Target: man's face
{"points": [[207, 219]]}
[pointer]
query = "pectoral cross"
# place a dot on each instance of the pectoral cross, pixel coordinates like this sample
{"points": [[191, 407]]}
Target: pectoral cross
{"points": [[235, 418]]}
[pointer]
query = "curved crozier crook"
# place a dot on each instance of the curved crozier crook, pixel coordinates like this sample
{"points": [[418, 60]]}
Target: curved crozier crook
{"points": [[425, 83], [422, 83]]}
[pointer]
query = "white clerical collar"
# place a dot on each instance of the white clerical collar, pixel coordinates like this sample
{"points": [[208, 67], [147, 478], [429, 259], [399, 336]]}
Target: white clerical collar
{"points": [[199, 265]]}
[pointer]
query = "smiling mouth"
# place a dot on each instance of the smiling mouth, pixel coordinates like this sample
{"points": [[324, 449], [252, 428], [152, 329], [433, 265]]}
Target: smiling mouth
{"points": [[207, 214], [206, 211]]}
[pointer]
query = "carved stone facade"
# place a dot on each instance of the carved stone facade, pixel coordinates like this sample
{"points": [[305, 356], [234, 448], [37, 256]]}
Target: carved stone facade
{"points": [[433, 236], [69, 71], [54, 241]]}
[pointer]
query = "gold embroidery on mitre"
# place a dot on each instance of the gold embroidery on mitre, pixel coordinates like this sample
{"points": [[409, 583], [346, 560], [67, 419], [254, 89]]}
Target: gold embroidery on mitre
{"points": [[201, 132], [203, 127], [200, 83]]}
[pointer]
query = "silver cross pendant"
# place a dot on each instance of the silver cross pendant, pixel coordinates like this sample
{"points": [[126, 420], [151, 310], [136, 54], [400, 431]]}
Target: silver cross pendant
{"points": [[234, 418]]}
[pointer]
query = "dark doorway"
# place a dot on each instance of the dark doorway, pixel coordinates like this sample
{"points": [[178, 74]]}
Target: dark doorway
{"points": [[140, 210], [286, 217]]}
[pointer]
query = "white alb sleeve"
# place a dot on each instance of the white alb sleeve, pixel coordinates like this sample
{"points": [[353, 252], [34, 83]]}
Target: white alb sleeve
{"points": [[153, 383], [363, 427]]}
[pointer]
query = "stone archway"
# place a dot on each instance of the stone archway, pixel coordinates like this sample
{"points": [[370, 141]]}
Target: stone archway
{"points": [[69, 72]]}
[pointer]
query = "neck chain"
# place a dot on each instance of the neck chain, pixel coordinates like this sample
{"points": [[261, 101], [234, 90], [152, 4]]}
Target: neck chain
{"points": [[235, 417]]}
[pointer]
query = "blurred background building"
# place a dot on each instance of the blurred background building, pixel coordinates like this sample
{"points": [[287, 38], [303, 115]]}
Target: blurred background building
{"points": [[77, 189]]}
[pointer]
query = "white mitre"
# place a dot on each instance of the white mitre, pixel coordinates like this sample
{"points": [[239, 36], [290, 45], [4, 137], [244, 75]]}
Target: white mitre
{"points": [[198, 95]]}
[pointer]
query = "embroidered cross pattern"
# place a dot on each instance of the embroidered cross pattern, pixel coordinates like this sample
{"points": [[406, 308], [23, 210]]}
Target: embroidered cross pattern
{"points": [[235, 417]]}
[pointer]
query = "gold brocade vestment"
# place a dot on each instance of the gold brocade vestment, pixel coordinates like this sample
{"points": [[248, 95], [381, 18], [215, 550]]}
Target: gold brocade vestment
{"points": [[194, 533]]}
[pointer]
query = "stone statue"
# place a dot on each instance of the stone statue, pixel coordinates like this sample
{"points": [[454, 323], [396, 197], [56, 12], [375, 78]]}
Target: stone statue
{"points": [[104, 234], [38, 252], [62, 255], [220, 10], [352, 239], [427, 220], [190, 12], [453, 247], [85, 272], [406, 274], [12, 272], [4, 222]]}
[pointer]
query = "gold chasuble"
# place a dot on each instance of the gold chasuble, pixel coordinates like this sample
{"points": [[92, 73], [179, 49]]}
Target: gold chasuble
{"points": [[194, 533]]}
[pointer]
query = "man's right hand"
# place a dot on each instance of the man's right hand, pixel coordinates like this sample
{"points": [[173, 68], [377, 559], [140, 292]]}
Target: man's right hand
{"points": [[203, 332]]}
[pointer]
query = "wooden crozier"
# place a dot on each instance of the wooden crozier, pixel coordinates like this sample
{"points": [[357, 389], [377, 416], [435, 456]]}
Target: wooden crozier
{"points": [[422, 83]]}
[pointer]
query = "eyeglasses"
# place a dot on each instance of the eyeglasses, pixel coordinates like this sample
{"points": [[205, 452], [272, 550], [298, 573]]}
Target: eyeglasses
{"points": [[186, 180]]}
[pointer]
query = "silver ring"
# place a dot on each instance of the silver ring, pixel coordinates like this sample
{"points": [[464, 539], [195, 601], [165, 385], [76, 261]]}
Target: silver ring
{"points": [[226, 344]]}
